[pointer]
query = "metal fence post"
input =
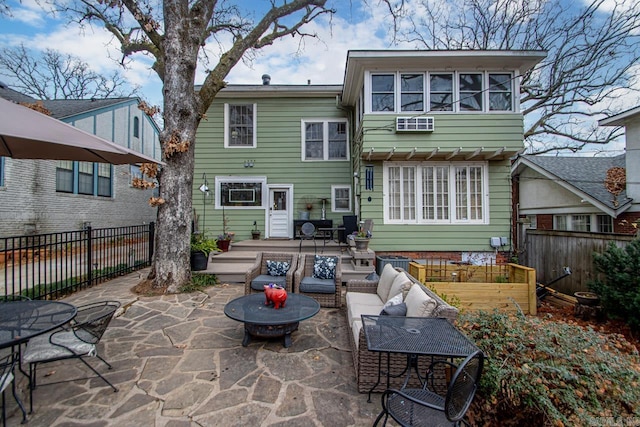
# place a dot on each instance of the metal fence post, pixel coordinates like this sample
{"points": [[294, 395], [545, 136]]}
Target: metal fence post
{"points": [[152, 239], [89, 255]]}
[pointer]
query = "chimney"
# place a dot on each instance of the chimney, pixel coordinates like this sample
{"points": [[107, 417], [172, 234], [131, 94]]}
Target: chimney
{"points": [[266, 79]]}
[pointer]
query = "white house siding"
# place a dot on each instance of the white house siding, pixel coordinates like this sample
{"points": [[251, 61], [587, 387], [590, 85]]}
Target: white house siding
{"points": [[632, 136], [30, 204]]}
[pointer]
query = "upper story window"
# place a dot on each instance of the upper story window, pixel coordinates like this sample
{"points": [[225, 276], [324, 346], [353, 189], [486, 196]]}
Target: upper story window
{"points": [[240, 125], [412, 92], [324, 140], [440, 91], [500, 92], [470, 92], [382, 92], [136, 127]]}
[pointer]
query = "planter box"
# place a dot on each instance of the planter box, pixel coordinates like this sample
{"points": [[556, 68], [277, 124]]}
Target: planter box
{"points": [[518, 291], [396, 261]]}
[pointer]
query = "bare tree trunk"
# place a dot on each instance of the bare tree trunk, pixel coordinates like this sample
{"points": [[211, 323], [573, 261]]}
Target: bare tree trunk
{"points": [[171, 264]]}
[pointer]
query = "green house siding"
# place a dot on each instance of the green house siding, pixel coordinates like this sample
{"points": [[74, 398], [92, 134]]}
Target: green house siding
{"points": [[469, 131], [277, 157]]}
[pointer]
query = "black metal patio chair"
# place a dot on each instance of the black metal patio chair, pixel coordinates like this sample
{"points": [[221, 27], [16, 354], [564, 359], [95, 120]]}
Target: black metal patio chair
{"points": [[7, 365], [308, 232], [423, 407], [77, 340]]}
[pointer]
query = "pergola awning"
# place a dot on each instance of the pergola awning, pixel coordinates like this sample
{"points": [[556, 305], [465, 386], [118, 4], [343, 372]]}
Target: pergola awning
{"points": [[431, 154]]}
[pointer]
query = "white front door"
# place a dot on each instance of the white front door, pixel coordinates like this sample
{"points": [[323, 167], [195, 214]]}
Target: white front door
{"points": [[280, 219]]}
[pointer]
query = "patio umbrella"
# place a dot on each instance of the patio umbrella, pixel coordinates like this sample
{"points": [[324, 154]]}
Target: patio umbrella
{"points": [[28, 134]]}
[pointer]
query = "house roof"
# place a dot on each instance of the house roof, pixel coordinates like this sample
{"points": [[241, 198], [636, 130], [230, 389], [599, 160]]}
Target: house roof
{"points": [[360, 60], [65, 108], [272, 91], [13, 95], [583, 176], [621, 119]]}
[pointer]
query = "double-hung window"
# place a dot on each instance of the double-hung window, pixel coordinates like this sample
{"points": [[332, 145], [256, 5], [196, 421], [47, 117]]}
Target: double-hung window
{"points": [[340, 198], [441, 92], [411, 92], [470, 91], [423, 193], [240, 125], [383, 92], [324, 140], [500, 98]]}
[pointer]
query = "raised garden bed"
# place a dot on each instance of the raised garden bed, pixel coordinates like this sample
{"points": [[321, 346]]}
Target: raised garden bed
{"points": [[481, 287]]}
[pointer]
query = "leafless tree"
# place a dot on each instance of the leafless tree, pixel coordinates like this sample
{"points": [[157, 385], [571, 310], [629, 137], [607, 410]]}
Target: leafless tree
{"points": [[53, 75], [175, 33], [593, 52]]}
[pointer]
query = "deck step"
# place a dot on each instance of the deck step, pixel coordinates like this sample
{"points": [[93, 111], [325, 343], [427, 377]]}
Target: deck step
{"points": [[231, 266]]}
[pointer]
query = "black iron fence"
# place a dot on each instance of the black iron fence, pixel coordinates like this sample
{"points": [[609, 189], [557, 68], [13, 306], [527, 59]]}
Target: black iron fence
{"points": [[48, 266]]}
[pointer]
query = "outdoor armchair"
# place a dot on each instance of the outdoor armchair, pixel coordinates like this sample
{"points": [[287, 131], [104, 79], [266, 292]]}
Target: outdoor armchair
{"points": [[423, 407], [78, 339], [320, 277], [269, 268]]}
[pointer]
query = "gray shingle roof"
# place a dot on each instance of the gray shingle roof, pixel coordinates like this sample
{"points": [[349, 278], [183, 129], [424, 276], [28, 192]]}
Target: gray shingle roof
{"points": [[63, 108], [586, 174], [12, 95]]}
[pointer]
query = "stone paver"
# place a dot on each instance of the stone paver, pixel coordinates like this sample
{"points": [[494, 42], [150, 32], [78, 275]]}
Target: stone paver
{"points": [[178, 362]]}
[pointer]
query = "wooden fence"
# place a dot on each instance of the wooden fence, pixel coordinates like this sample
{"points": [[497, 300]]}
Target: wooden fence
{"points": [[548, 252], [505, 287]]}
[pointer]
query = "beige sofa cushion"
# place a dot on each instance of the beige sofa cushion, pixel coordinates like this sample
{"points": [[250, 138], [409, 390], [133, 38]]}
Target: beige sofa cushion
{"points": [[419, 304], [386, 280], [356, 310], [356, 325], [401, 284]]}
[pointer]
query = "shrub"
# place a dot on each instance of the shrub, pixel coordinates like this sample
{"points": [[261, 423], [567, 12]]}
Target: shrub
{"points": [[541, 372], [619, 283]]}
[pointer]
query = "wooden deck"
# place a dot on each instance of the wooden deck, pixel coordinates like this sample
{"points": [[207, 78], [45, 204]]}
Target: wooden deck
{"points": [[231, 266]]}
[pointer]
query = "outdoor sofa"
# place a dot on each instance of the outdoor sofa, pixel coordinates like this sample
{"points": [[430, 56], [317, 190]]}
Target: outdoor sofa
{"points": [[369, 297]]}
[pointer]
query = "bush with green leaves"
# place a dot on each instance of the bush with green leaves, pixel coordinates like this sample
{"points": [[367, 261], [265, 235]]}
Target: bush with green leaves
{"points": [[618, 284], [541, 372]]}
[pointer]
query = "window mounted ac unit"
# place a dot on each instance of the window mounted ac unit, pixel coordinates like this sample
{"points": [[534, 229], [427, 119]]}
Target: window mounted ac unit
{"points": [[415, 124]]}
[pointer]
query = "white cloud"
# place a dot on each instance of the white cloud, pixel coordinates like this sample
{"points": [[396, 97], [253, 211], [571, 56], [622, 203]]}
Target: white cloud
{"points": [[28, 12]]}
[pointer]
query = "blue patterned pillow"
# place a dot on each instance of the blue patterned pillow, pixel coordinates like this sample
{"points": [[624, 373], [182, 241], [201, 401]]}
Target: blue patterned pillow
{"points": [[324, 267], [277, 268]]}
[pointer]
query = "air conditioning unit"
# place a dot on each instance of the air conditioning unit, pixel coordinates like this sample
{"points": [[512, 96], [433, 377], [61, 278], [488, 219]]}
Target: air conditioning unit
{"points": [[415, 124]]}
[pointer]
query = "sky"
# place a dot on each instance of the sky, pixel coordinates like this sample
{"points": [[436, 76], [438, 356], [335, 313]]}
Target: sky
{"points": [[289, 60]]}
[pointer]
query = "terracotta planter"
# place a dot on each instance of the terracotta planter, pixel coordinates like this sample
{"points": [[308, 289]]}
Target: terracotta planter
{"points": [[255, 235], [223, 245]]}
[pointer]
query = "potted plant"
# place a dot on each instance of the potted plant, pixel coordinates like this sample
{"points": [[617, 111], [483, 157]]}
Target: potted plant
{"points": [[361, 239], [224, 239], [201, 247], [255, 233]]}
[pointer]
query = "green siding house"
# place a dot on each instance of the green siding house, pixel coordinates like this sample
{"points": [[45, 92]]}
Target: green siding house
{"points": [[417, 141]]}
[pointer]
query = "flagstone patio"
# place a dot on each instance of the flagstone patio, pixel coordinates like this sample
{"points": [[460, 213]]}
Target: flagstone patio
{"points": [[178, 361]]}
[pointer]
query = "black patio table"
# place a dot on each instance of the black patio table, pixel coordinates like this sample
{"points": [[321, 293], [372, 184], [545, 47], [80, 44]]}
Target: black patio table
{"points": [[414, 336], [265, 321], [23, 320]]}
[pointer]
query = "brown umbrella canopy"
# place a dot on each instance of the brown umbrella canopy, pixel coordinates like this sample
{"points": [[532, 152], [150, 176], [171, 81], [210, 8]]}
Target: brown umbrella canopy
{"points": [[28, 134]]}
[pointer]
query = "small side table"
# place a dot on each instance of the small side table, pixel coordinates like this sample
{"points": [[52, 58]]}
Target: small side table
{"points": [[362, 260]]}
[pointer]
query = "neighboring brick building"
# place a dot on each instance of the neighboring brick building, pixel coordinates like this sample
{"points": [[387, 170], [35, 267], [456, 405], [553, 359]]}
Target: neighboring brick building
{"points": [[45, 196]]}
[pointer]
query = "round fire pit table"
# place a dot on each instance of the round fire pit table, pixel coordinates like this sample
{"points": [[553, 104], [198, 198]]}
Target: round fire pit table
{"points": [[264, 321]]}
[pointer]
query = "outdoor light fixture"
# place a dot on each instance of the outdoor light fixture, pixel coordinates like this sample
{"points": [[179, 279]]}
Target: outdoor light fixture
{"points": [[249, 163], [204, 188]]}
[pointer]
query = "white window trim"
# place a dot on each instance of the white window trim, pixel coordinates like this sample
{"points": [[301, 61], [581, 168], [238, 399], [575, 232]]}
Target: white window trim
{"points": [[418, 192], [259, 179], [593, 222], [325, 139], [515, 88], [333, 198], [227, 137]]}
